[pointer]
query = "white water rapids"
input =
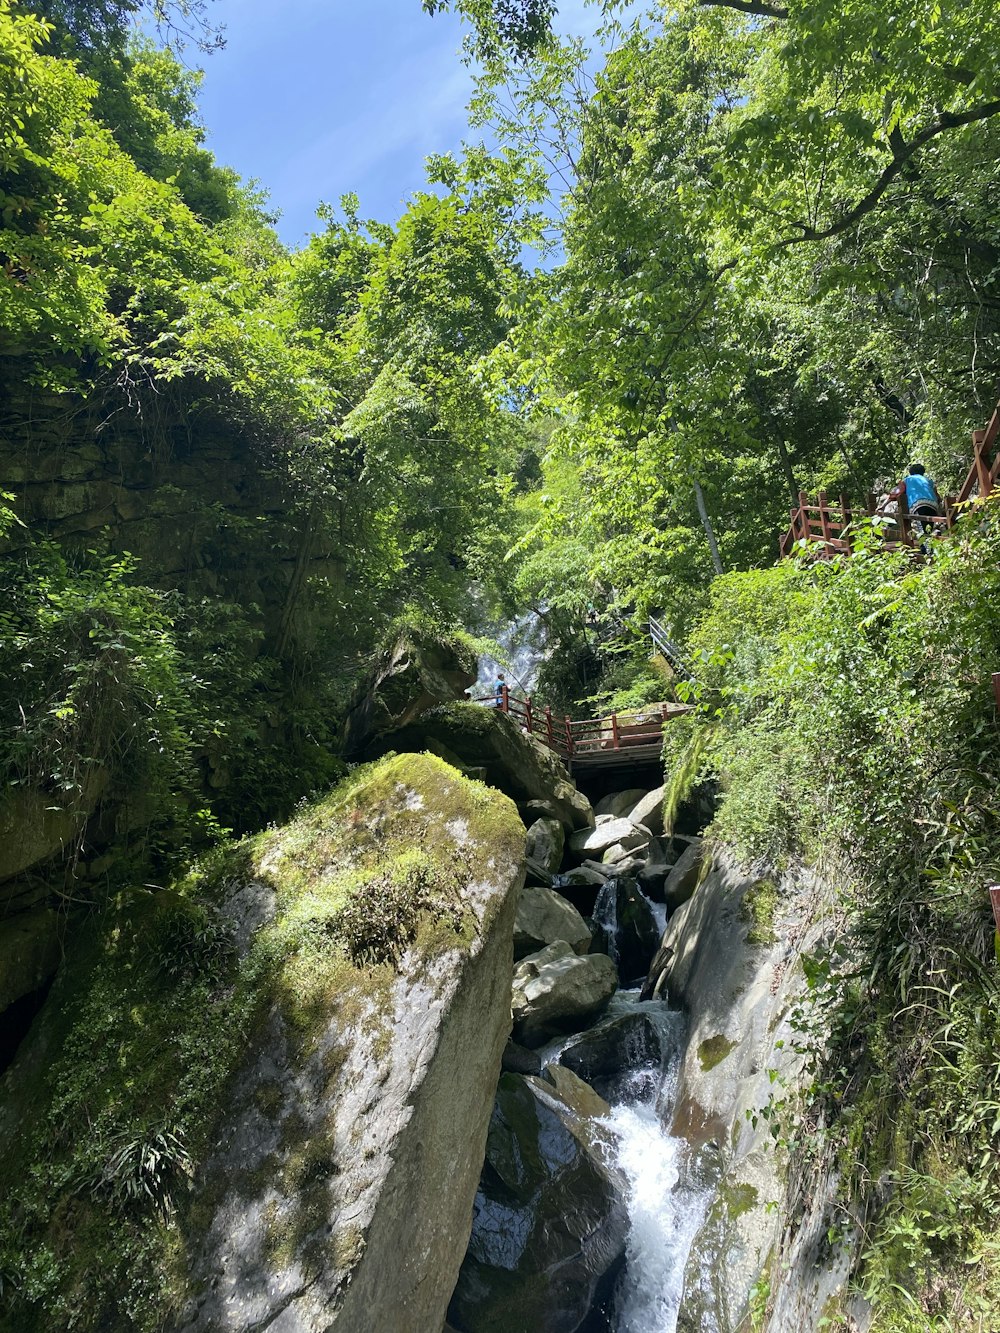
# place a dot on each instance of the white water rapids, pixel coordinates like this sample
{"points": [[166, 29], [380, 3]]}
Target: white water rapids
{"points": [[665, 1205]]}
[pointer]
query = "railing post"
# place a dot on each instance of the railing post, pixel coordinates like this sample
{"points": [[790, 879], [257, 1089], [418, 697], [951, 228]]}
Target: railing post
{"points": [[978, 454], [903, 516], [504, 699], [527, 710], [614, 729], [548, 727], [569, 737], [949, 511], [824, 516]]}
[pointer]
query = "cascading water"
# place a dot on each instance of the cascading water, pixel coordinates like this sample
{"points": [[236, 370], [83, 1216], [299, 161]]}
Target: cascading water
{"points": [[523, 642], [666, 1202], [665, 1207]]}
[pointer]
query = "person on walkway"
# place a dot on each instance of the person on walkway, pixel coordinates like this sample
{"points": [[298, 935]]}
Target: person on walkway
{"points": [[500, 689], [922, 499]]}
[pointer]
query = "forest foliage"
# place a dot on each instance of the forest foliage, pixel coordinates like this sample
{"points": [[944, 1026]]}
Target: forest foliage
{"points": [[739, 250]]}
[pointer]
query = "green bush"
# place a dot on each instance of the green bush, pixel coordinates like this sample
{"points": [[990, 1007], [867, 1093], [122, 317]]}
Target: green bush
{"points": [[845, 708]]}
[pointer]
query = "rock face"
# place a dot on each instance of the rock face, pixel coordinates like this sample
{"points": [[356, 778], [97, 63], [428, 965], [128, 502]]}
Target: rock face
{"points": [[418, 672], [648, 810], [600, 1055], [357, 1099], [732, 952], [549, 1225], [587, 843], [637, 934], [555, 990], [545, 843], [516, 763], [544, 917], [30, 951], [682, 880]]}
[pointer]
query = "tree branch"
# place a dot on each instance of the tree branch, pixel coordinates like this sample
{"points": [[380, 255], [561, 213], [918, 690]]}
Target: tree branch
{"points": [[902, 153], [748, 7]]}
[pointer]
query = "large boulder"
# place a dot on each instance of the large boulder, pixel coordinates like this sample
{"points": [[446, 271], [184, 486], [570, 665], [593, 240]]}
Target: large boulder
{"points": [[544, 917], [619, 802], [648, 810], [549, 1227], [635, 930], [516, 763], [418, 671], [545, 842], [304, 1053], [591, 842], [683, 878], [556, 990], [603, 1054], [30, 952]]}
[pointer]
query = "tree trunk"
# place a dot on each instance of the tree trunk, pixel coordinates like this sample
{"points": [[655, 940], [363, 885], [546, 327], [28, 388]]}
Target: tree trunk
{"points": [[706, 523]]}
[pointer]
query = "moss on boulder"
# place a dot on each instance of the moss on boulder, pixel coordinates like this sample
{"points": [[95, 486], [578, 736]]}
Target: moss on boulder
{"points": [[247, 1095], [514, 762]]}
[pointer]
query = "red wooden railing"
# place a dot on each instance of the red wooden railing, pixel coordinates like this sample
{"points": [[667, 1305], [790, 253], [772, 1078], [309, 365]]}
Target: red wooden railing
{"points": [[826, 526], [600, 740]]}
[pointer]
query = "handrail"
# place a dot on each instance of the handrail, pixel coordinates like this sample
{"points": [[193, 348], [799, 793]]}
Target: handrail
{"points": [[829, 525], [668, 649], [586, 737]]}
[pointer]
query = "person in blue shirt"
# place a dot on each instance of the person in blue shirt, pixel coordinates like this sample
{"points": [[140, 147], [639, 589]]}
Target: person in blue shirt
{"points": [[922, 499]]}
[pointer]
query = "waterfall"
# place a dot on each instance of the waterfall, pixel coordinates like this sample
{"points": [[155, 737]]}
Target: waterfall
{"points": [[605, 915], [666, 1201], [665, 1207], [523, 642]]}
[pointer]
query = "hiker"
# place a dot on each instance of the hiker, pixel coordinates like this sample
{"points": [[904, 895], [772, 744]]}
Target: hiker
{"points": [[922, 497], [500, 689]]}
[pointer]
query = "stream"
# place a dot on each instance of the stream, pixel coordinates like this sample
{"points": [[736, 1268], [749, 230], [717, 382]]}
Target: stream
{"points": [[665, 1205]]}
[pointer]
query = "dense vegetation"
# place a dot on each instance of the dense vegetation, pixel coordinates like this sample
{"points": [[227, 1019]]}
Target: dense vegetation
{"points": [[752, 248]]}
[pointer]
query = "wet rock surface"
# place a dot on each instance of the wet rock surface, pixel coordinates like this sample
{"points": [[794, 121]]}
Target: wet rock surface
{"points": [[549, 1224], [601, 1055]]}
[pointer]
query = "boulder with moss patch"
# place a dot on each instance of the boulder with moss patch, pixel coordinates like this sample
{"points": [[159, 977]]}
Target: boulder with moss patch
{"points": [[260, 1090], [417, 671], [514, 762]]}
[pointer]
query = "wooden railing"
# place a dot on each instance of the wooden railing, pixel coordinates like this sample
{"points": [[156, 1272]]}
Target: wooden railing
{"points": [[610, 739], [985, 469], [827, 527]]}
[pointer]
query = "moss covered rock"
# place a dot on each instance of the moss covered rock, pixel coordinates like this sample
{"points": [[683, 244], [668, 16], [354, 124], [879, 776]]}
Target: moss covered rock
{"points": [[419, 670], [247, 1098], [514, 762]]}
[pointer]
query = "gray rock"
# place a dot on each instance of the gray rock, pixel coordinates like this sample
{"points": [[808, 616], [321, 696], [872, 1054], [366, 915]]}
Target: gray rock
{"points": [[545, 843], [619, 802], [549, 1223], [515, 762], [544, 917], [30, 952], [594, 842], [415, 673], [520, 1060], [649, 811], [636, 931], [604, 1053], [618, 854], [653, 874], [682, 881], [586, 874], [555, 990]]}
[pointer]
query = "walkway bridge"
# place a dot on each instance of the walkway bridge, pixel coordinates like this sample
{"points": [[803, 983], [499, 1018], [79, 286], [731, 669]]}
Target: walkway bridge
{"points": [[615, 739], [827, 526]]}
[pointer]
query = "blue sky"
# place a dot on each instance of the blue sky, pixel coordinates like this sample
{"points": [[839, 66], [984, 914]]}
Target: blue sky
{"points": [[317, 98]]}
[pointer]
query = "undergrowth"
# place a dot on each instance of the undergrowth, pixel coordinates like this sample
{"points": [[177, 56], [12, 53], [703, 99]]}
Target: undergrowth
{"points": [[845, 709]]}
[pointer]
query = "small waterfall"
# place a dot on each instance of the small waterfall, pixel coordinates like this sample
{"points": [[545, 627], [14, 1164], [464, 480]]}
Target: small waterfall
{"points": [[523, 641], [665, 1207], [666, 1201], [605, 915]]}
